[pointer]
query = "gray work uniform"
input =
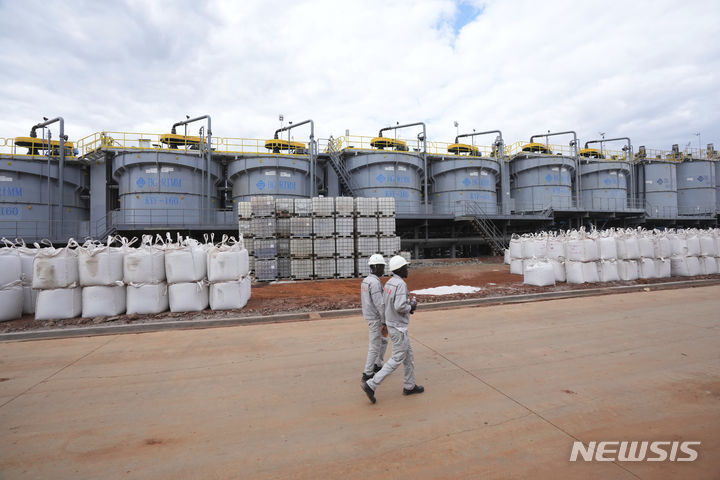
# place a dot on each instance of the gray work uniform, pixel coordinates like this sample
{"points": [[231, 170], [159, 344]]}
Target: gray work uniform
{"points": [[373, 310], [397, 317]]}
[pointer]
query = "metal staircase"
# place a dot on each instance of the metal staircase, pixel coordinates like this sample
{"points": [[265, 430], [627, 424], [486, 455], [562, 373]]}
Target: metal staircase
{"points": [[333, 150], [485, 227]]}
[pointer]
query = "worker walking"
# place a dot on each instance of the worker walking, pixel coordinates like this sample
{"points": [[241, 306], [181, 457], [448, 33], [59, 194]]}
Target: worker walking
{"points": [[398, 308], [371, 297]]}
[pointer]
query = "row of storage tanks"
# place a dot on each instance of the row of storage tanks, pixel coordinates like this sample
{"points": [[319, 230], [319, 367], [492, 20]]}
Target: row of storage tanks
{"points": [[174, 186]]}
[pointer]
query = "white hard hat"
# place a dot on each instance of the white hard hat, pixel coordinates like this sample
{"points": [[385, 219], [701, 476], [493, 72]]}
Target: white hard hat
{"points": [[376, 259], [397, 262]]}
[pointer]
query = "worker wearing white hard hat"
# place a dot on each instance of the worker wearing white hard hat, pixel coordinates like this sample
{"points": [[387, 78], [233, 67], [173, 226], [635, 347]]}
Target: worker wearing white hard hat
{"points": [[398, 308], [373, 309]]}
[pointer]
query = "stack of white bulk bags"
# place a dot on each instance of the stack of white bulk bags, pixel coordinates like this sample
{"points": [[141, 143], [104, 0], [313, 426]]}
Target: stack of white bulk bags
{"points": [[11, 290], [228, 272], [581, 256], [708, 252], [516, 256], [685, 260], [144, 275], [556, 255], [539, 272], [101, 276], [27, 255], [186, 268], [607, 251], [55, 274]]}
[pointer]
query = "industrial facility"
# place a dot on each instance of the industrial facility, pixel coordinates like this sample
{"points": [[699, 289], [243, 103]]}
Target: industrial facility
{"points": [[464, 197]]}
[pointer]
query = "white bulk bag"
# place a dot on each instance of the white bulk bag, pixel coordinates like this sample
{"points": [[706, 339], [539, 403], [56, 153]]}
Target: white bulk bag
{"points": [[188, 296], [10, 266], [693, 245], [708, 266], [29, 299], [230, 295], [27, 255], [678, 245], [145, 264], [539, 273], [608, 271], [516, 266], [527, 246], [627, 248], [144, 298], [185, 263], [607, 248], [555, 248], [103, 300], [662, 247], [227, 262], [627, 270], [646, 247], [515, 247], [558, 269], [707, 245], [58, 303], [575, 250], [684, 266], [590, 272], [55, 268], [100, 265], [646, 268], [574, 272], [11, 300], [663, 268], [540, 247], [506, 257]]}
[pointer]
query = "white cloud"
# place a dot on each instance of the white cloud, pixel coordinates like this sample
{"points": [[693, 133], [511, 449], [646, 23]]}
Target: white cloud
{"points": [[648, 70]]}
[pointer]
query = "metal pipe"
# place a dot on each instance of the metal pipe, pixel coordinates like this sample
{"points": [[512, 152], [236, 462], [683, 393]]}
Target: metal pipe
{"points": [[209, 148], [311, 146], [61, 173], [574, 144], [397, 127], [504, 174], [630, 160]]}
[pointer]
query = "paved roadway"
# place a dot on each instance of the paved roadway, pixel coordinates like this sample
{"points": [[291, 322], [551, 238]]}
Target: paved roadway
{"points": [[508, 390]]}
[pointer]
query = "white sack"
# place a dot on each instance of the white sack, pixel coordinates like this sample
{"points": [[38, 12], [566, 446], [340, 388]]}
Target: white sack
{"points": [[628, 248], [58, 303], [226, 263], [230, 295], [662, 247], [188, 297], [540, 247], [608, 271], [663, 268], [55, 271], [145, 264], [582, 250], [186, 264], [10, 266], [607, 248], [558, 269], [684, 266], [555, 248], [708, 266], [627, 270], [100, 265], [506, 257], [527, 247], [540, 273], [678, 245], [693, 245], [29, 299], [515, 247], [646, 247], [707, 245], [103, 301], [590, 272], [646, 268], [11, 300], [147, 298], [516, 266], [574, 272]]}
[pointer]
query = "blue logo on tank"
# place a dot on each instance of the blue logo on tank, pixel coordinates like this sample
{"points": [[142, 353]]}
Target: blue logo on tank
{"points": [[140, 182], [607, 181], [466, 182], [260, 184], [380, 178], [548, 177], [701, 178], [659, 181]]}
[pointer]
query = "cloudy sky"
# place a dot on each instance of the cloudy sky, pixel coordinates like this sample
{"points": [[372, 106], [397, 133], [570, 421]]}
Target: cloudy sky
{"points": [[645, 69]]}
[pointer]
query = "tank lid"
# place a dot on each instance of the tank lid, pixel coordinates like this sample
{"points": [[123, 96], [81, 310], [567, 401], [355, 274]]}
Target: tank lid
{"points": [[174, 140], [37, 144], [384, 142], [277, 144], [536, 147], [591, 153], [458, 148]]}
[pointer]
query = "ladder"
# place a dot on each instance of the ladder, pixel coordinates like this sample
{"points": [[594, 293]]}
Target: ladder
{"points": [[337, 164], [486, 227]]}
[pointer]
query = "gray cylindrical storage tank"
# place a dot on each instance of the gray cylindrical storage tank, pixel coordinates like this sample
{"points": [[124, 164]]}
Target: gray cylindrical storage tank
{"points": [[696, 184], [717, 186], [388, 173], [458, 179], [164, 188], [24, 195], [603, 183], [658, 185], [539, 180]]}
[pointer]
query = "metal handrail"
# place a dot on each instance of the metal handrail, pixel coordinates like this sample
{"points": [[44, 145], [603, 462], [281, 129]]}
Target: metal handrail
{"points": [[338, 165]]}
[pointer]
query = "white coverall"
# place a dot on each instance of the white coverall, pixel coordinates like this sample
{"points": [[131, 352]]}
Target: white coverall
{"points": [[371, 297], [397, 317]]}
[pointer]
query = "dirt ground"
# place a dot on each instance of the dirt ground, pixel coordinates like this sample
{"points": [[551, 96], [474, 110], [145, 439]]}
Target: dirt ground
{"points": [[489, 273]]}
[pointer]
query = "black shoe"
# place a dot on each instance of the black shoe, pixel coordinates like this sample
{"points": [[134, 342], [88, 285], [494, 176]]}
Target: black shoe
{"points": [[368, 391], [415, 389], [377, 368], [367, 377]]}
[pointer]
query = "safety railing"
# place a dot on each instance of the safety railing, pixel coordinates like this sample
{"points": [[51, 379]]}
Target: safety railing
{"points": [[698, 210], [358, 142], [650, 154], [36, 230], [9, 149], [176, 217]]}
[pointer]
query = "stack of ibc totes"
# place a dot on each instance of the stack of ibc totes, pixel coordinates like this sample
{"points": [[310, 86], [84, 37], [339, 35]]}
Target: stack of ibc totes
{"points": [[245, 230], [344, 239], [389, 244], [324, 237], [284, 210], [366, 233], [263, 226], [301, 242]]}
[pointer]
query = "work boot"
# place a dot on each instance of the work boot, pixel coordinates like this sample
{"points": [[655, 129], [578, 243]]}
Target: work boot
{"points": [[377, 368], [415, 389], [367, 377], [368, 391]]}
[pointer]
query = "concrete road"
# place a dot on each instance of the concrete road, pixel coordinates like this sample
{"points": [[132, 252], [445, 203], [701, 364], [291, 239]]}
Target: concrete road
{"points": [[508, 391]]}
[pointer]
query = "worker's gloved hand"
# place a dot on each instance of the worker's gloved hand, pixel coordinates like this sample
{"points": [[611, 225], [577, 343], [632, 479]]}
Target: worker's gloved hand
{"points": [[384, 330], [413, 305]]}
